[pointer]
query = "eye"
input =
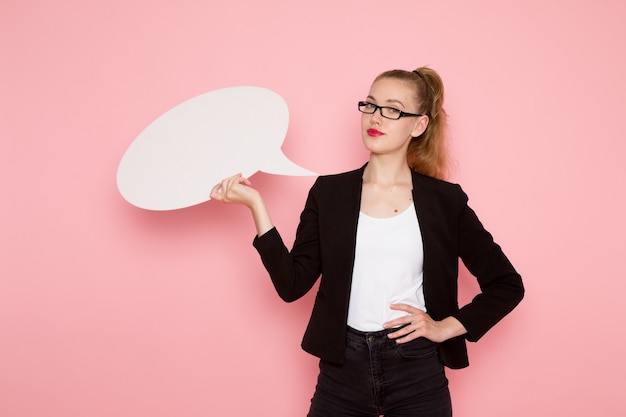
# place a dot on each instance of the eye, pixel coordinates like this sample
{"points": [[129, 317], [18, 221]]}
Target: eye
{"points": [[370, 106], [391, 110]]}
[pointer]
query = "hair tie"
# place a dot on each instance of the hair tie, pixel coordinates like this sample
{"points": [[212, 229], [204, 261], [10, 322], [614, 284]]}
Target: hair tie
{"points": [[430, 91]]}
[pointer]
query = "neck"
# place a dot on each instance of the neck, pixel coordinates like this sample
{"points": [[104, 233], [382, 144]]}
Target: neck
{"points": [[386, 171]]}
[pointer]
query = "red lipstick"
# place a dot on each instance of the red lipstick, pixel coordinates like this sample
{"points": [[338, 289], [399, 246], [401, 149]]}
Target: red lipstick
{"points": [[374, 133]]}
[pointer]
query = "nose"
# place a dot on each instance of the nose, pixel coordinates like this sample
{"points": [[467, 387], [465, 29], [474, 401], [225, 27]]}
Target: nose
{"points": [[377, 116]]}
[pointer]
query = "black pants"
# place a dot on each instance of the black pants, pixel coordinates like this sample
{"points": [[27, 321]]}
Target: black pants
{"points": [[382, 377]]}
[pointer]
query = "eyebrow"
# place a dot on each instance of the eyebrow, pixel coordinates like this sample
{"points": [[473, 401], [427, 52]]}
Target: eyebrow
{"points": [[390, 101]]}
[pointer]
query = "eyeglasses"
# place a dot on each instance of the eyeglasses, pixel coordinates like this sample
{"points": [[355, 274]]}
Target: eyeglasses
{"points": [[387, 112]]}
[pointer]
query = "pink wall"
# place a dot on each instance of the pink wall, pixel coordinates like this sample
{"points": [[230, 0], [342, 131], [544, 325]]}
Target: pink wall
{"points": [[106, 309]]}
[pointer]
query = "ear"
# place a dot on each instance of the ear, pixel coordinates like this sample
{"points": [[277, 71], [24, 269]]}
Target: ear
{"points": [[420, 126]]}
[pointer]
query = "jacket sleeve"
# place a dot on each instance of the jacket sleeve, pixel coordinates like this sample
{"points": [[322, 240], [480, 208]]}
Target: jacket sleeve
{"points": [[500, 284], [294, 272]]}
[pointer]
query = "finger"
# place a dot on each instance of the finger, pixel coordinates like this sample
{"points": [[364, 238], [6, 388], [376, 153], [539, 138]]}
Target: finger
{"points": [[235, 178], [397, 322], [406, 334], [407, 338], [402, 307], [216, 192], [230, 181], [233, 181], [400, 332], [406, 307]]}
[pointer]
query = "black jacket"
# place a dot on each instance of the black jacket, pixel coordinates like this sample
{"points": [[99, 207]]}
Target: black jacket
{"points": [[325, 244]]}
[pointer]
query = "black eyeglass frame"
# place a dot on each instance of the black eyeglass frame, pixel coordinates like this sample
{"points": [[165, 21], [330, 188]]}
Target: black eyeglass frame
{"points": [[380, 109]]}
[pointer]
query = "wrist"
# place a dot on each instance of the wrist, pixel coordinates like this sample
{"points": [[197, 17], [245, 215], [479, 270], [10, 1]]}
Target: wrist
{"points": [[452, 327], [261, 217]]}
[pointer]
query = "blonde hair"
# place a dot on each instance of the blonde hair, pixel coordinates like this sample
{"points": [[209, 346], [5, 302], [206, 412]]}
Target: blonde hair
{"points": [[427, 153]]}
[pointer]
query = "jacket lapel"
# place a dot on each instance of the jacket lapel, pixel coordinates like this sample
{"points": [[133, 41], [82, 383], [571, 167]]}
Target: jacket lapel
{"points": [[427, 225]]}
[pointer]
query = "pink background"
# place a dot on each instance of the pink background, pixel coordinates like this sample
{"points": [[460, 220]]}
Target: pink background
{"points": [[106, 309]]}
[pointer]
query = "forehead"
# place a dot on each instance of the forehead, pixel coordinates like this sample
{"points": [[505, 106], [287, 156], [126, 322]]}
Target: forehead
{"points": [[390, 89]]}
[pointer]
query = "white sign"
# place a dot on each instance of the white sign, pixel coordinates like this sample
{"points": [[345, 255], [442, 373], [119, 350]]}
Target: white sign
{"points": [[180, 156]]}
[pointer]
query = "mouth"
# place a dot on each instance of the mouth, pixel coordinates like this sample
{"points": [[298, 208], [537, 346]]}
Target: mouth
{"points": [[374, 133]]}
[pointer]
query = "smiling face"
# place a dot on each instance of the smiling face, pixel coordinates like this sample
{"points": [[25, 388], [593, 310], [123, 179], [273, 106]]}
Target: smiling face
{"points": [[387, 136]]}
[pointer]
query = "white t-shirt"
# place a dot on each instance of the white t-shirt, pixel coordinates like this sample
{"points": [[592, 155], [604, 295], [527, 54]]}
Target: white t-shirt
{"points": [[388, 269]]}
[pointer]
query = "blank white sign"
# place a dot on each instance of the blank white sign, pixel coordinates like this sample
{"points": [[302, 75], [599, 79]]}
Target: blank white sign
{"points": [[179, 157]]}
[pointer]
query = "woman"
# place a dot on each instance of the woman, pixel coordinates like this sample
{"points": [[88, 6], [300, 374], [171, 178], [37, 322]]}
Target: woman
{"points": [[386, 239]]}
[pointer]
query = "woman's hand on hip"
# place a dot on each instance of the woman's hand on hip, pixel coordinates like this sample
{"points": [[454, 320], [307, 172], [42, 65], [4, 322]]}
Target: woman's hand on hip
{"points": [[417, 323]]}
